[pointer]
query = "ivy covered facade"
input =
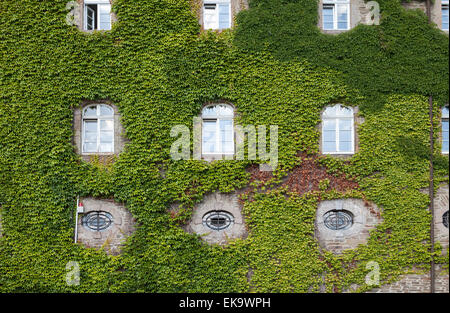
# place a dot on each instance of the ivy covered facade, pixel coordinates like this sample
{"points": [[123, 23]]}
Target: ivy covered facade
{"points": [[87, 110]]}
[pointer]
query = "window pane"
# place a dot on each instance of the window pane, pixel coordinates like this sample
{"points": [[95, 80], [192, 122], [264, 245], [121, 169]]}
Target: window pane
{"points": [[224, 16], [329, 125], [210, 16], [106, 110], [445, 19], [445, 126], [329, 146], [105, 16], [91, 17], [90, 137], [226, 133], [345, 125], [106, 136], [106, 125], [342, 16], [328, 17], [90, 111], [106, 147], [90, 147], [329, 135], [345, 146], [90, 126], [209, 137], [345, 135]]}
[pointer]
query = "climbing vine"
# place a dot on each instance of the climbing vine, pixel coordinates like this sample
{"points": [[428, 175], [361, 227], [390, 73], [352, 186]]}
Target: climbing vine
{"points": [[277, 69]]}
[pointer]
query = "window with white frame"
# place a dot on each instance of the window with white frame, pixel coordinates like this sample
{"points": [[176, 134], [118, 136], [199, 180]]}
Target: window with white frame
{"points": [[217, 129], [444, 9], [98, 129], [336, 14], [445, 114], [216, 14], [97, 15], [338, 130]]}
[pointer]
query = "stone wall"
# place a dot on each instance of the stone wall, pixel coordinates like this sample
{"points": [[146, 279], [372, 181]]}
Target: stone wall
{"points": [[218, 202], [365, 217], [441, 205], [436, 13], [417, 283], [110, 239]]}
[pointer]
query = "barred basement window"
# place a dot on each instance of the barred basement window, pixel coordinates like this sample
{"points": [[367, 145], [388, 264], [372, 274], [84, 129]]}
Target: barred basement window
{"points": [[445, 219], [218, 220], [97, 220], [338, 219]]}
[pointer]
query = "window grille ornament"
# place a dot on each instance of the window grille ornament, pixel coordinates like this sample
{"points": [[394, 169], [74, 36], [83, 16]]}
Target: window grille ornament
{"points": [[218, 220], [338, 219], [97, 220]]}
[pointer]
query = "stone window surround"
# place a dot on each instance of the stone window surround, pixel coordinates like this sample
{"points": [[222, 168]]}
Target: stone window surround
{"points": [[363, 219], [227, 202], [357, 120], [82, 17], [119, 140], [111, 238]]}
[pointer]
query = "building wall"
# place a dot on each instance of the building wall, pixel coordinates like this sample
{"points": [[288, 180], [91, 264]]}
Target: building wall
{"points": [[417, 283]]}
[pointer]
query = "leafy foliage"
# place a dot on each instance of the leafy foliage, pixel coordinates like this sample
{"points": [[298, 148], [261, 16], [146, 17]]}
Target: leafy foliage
{"points": [[276, 69]]}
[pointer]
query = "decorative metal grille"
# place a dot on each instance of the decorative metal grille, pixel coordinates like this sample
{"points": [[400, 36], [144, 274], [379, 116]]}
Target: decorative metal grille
{"points": [[338, 219], [218, 220], [97, 220], [445, 219]]}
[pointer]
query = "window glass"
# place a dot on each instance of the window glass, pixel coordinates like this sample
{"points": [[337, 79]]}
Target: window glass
{"points": [[337, 130], [98, 130], [224, 16], [328, 16], [209, 136], [445, 130], [445, 19]]}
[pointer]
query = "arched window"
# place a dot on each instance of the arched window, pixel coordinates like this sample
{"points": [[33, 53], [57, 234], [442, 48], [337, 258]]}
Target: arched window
{"points": [[98, 129], [445, 111], [338, 130], [217, 129]]}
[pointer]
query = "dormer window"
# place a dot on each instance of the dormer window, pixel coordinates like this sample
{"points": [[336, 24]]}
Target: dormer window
{"points": [[97, 15], [217, 14], [336, 14]]}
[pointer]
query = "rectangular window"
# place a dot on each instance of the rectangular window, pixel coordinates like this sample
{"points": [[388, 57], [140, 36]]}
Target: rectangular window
{"points": [[217, 14], [336, 14], [217, 137], [445, 139], [445, 15], [97, 15]]}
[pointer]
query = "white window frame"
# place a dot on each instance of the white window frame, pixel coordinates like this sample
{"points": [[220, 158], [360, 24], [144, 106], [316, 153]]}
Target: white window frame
{"points": [[217, 2], [337, 118], [96, 2], [445, 116], [334, 3], [218, 119], [98, 118], [444, 3]]}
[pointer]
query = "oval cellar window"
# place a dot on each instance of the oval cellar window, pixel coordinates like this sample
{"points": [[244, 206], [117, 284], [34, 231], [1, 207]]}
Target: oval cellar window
{"points": [[338, 219], [97, 220], [445, 219], [218, 220]]}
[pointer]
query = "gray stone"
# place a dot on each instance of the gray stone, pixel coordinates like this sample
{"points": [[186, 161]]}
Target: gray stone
{"points": [[218, 202], [111, 238], [364, 219]]}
